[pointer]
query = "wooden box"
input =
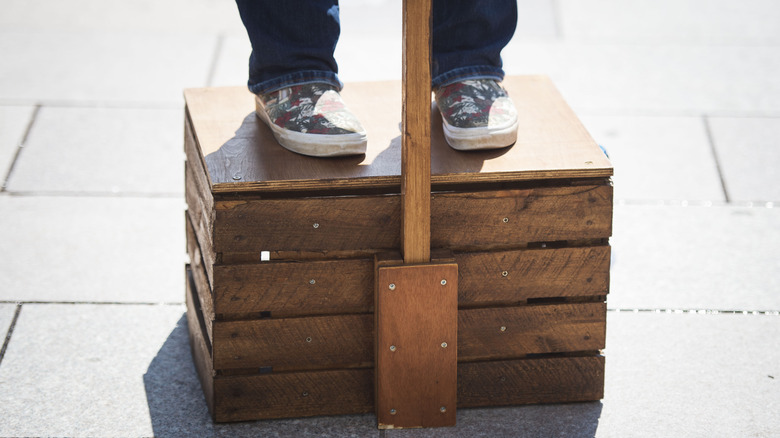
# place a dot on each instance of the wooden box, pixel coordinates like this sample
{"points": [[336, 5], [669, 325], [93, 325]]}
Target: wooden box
{"points": [[284, 250]]}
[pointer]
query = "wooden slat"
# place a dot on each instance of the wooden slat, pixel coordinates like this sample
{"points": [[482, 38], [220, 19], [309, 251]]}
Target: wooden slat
{"points": [[286, 395], [480, 384], [539, 380], [201, 218], [517, 331], [467, 220], [416, 135], [348, 340], [416, 345], [198, 273], [551, 143], [295, 288], [294, 343], [199, 346], [515, 276]]}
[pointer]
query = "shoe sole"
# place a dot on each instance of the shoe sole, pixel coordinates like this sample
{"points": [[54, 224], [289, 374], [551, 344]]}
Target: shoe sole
{"points": [[472, 139], [315, 145]]}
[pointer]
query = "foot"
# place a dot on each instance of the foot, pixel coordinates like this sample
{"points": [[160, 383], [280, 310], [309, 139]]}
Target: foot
{"points": [[477, 114], [311, 119]]}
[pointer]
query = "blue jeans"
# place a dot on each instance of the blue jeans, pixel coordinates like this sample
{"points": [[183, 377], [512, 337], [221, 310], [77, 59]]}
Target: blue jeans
{"points": [[293, 41]]}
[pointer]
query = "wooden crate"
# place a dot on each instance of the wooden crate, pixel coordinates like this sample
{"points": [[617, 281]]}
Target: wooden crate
{"points": [[284, 251]]}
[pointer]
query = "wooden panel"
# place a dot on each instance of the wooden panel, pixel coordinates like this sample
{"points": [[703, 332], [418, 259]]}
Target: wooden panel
{"points": [[551, 143], [295, 288], [469, 220], [199, 346], [294, 343], [539, 380], [484, 219], [517, 331], [515, 276], [240, 398], [198, 273], [201, 220], [416, 345]]}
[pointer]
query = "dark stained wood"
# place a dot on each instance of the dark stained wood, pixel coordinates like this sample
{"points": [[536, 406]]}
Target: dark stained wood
{"points": [[517, 331], [514, 276], [295, 288], [552, 143], [538, 380], [294, 343], [199, 344], [285, 395], [416, 345], [460, 220], [198, 273], [515, 382], [199, 216]]}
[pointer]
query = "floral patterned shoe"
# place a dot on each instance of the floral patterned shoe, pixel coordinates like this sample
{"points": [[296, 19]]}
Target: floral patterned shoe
{"points": [[477, 114], [311, 119]]}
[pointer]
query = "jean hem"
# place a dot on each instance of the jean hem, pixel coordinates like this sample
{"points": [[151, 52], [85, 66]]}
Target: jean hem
{"points": [[466, 73], [297, 78]]}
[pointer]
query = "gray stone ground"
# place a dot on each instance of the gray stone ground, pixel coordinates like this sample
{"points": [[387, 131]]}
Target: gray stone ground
{"points": [[685, 94]]}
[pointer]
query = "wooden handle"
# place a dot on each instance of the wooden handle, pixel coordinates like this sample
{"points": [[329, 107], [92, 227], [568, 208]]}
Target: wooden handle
{"points": [[416, 126]]}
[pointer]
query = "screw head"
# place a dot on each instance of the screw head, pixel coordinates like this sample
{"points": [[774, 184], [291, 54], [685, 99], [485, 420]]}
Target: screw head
{"points": [[392, 286], [308, 339], [392, 411], [505, 273], [392, 348], [316, 225], [312, 281], [237, 177], [443, 282], [503, 328], [305, 394], [506, 219], [443, 409], [443, 345]]}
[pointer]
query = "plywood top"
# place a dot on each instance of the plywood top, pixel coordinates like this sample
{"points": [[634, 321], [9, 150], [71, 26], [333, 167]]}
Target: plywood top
{"points": [[242, 155]]}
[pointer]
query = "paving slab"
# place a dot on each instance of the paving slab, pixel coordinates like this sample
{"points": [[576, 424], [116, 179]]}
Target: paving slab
{"points": [[131, 68], [102, 150], [666, 79], [691, 375], [673, 257], [708, 21], [7, 312], [13, 124], [179, 16], [749, 156], [120, 370], [94, 249], [658, 157]]}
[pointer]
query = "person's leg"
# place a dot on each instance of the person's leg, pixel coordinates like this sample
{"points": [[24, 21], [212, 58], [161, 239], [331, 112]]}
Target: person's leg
{"points": [[294, 75], [468, 36], [292, 42]]}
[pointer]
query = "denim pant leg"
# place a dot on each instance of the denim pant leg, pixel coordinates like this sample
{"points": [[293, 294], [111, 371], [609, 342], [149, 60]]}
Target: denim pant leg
{"points": [[292, 42], [468, 36]]}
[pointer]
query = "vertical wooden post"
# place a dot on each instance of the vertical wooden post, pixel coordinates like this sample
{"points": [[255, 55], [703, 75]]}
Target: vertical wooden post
{"points": [[416, 125]]}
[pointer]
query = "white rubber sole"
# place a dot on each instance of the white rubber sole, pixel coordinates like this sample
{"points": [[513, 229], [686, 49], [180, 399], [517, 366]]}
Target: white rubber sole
{"points": [[472, 139], [316, 145]]}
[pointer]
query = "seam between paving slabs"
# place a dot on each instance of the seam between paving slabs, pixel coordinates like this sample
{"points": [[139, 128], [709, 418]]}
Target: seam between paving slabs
{"points": [[10, 331], [711, 140], [20, 146]]}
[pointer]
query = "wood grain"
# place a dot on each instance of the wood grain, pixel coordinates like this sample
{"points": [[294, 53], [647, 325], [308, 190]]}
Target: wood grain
{"points": [[416, 136], [459, 221], [501, 383], [197, 272], [416, 345], [552, 143], [199, 344]]}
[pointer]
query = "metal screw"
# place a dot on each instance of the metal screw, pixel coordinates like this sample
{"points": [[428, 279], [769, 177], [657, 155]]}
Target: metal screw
{"points": [[392, 286], [305, 394], [392, 411], [443, 345], [316, 225], [308, 339], [312, 281], [443, 282], [236, 177], [504, 274], [392, 348], [503, 328], [443, 409], [506, 219]]}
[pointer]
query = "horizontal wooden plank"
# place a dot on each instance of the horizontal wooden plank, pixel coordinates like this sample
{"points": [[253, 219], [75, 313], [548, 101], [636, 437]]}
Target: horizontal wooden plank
{"points": [[469, 220], [294, 288], [515, 276], [242, 155], [480, 384], [348, 340]]}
